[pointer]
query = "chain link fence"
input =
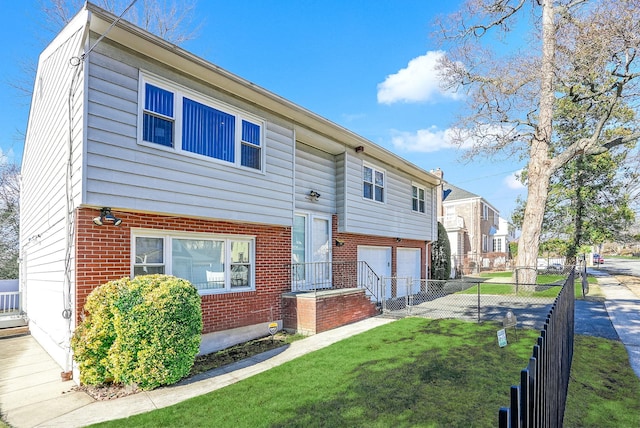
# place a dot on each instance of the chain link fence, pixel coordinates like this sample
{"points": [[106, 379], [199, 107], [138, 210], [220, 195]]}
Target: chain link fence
{"points": [[473, 298]]}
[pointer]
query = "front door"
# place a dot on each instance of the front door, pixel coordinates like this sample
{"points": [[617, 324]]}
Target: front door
{"points": [[311, 251]]}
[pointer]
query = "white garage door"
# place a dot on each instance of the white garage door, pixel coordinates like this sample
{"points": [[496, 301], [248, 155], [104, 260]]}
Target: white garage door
{"points": [[378, 258], [408, 266]]}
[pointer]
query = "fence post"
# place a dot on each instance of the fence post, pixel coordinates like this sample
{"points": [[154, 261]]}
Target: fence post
{"points": [[478, 284]]}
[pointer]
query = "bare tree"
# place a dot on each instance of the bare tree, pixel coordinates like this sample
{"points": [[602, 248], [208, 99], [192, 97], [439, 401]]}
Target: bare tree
{"points": [[584, 51], [9, 220], [172, 20]]}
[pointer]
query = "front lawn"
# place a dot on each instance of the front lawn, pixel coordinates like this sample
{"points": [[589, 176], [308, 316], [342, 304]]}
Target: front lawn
{"points": [[412, 372]]}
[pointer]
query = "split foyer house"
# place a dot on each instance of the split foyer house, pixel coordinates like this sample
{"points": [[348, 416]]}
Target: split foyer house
{"points": [[143, 158]]}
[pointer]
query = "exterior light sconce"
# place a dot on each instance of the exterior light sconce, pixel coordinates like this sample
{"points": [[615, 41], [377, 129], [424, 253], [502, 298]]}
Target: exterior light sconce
{"points": [[106, 215], [339, 242], [313, 195], [359, 149], [398, 239]]}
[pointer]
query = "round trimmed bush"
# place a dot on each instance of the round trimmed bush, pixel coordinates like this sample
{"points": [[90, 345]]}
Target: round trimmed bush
{"points": [[155, 323]]}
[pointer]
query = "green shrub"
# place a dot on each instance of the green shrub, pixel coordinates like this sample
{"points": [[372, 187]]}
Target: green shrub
{"points": [[95, 335], [151, 328], [441, 255]]}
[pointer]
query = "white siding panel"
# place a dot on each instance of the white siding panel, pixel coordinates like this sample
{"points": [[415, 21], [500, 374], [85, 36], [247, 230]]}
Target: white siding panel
{"points": [[126, 175], [394, 217], [315, 170], [51, 140]]}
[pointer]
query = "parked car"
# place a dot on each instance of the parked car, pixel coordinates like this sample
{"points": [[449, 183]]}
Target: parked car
{"points": [[598, 259], [555, 268]]}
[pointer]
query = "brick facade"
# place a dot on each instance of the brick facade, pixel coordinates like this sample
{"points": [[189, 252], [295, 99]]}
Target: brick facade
{"points": [[103, 253], [349, 251], [311, 313]]}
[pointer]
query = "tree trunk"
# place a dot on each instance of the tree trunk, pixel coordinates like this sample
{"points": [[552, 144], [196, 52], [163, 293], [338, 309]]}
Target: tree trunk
{"points": [[539, 171]]}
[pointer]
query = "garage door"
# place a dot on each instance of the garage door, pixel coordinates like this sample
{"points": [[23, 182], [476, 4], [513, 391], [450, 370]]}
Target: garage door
{"points": [[378, 258], [408, 266]]}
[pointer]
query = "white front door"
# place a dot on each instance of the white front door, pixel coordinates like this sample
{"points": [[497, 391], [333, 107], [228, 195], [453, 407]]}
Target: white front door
{"points": [[311, 249], [379, 260]]}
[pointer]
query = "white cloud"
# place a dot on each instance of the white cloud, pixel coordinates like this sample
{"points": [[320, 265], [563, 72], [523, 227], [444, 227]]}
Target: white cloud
{"points": [[418, 82], [512, 181], [423, 140]]}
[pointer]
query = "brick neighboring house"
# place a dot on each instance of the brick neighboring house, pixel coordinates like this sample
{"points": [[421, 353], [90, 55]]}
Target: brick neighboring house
{"points": [[142, 158], [472, 225]]}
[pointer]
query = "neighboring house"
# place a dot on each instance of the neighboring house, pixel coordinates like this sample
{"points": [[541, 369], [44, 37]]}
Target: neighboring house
{"points": [[143, 158], [505, 234], [471, 224]]}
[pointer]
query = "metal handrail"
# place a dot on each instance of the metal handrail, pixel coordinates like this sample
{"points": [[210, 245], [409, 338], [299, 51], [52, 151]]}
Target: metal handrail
{"points": [[317, 276]]}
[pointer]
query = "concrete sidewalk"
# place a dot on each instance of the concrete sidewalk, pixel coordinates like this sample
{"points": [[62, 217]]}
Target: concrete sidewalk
{"points": [[623, 307], [32, 394]]}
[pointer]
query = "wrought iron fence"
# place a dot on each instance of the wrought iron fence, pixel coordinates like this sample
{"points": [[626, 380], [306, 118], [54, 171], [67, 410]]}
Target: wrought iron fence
{"points": [[335, 275], [540, 399]]}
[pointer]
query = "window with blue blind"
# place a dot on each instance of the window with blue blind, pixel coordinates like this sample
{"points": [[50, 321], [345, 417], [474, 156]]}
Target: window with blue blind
{"points": [[172, 117], [251, 153], [208, 131], [158, 116]]}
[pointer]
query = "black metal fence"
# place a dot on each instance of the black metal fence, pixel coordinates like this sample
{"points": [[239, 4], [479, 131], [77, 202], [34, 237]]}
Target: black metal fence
{"points": [[540, 399]]}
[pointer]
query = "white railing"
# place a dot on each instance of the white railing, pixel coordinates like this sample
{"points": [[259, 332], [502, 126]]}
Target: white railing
{"points": [[335, 275], [10, 303]]}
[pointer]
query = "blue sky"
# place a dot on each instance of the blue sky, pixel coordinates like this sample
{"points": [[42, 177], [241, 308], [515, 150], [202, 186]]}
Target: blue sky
{"points": [[365, 65]]}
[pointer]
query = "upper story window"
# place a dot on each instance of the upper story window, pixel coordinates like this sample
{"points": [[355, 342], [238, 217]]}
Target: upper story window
{"points": [[188, 122], [213, 264], [418, 199], [373, 183]]}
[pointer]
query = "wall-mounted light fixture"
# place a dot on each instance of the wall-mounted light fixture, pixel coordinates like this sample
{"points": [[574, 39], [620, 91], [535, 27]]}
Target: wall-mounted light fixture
{"points": [[398, 239], [359, 149], [339, 242], [314, 195], [106, 215]]}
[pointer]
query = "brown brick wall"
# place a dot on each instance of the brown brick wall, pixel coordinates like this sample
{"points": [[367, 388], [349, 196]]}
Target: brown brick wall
{"points": [[103, 253], [308, 313], [349, 251]]}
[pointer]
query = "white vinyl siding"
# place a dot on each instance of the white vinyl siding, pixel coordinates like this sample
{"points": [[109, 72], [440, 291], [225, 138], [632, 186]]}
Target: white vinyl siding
{"points": [[122, 173], [53, 137], [315, 171], [395, 217]]}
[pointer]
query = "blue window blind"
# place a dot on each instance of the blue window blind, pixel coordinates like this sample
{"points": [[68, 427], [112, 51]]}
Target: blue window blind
{"points": [[251, 152], [157, 129], [207, 131]]}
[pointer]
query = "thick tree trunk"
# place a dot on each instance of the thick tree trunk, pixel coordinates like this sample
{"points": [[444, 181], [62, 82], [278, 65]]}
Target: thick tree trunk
{"points": [[540, 169]]}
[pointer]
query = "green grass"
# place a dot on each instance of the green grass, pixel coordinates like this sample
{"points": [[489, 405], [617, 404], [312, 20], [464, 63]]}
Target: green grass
{"points": [[603, 390], [412, 372]]}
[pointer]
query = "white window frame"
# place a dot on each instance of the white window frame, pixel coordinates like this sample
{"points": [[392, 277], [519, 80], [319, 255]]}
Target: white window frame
{"points": [[307, 276], [181, 92], [497, 245], [374, 169], [418, 188], [168, 235]]}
